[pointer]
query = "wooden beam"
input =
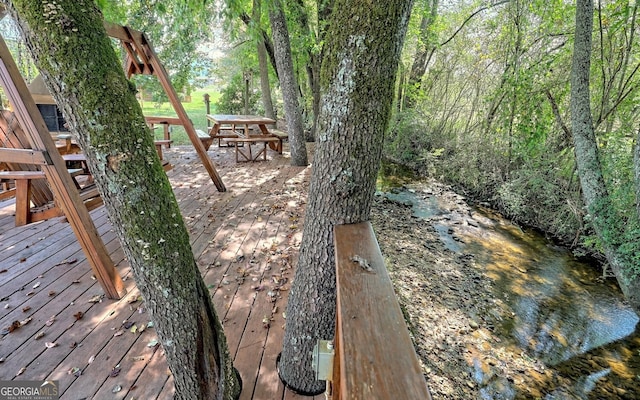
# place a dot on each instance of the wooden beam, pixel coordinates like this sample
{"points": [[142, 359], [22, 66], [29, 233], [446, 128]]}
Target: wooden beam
{"points": [[373, 350], [163, 77], [24, 156], [61, 183], [136, 42]]}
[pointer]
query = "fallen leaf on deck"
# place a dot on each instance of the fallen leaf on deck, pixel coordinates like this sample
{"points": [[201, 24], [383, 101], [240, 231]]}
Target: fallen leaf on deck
{"points": [[150, 324], [65, 261], [133, 329], [23, 259], [152, 343], [115, 372], [116, 389], [14, 325], [76, 281], [142, 328], [31, 293], [118, 333], [137, 358], [75, 371], [52, 293], [78, 316], [21, 371], [50, 321], [96, 299], [25, 321], [6, 306], [26, 308], [73, 345], [91, 359], [134, 299], [36, 285], [39, 335], [50, 345], [128, 324], [2, 271]]}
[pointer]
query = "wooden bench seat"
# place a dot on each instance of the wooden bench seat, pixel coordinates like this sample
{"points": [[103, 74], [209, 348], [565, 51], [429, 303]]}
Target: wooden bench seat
{"points": [[247, 155], [26, 214], [159, 144], [226, 132], [282, 136], [204, 138]]}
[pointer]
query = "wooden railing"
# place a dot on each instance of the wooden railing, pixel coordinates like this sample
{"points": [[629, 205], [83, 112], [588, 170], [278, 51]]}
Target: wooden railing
{"points": [[374, 355]]}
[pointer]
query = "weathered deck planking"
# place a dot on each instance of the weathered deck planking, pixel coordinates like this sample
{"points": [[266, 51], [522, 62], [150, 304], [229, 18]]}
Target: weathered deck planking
{"points": [[245, 241]]}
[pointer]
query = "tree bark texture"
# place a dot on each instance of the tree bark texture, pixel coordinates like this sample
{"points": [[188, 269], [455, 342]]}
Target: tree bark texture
{"points": [[361, 56], [288, 84], [78, 63], [265, 87], [594, 190]]}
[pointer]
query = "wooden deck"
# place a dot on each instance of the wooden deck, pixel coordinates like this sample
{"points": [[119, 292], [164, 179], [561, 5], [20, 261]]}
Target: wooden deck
{"points": [[245, 240]]}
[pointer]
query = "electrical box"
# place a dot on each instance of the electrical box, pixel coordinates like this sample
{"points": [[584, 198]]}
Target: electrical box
{"points": [[322, 360]]}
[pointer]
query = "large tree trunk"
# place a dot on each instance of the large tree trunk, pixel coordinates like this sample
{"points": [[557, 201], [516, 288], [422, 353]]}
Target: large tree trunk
{"points": [[265, 87], [362, 51], [288, 84], [594, 190], [72, 51]]}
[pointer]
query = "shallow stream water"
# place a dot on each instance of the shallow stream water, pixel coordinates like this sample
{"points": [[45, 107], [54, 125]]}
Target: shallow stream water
{"points": [[553, 310]]}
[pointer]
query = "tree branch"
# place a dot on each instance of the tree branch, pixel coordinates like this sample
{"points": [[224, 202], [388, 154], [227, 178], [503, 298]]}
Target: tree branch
{"points": [[478, 11]]}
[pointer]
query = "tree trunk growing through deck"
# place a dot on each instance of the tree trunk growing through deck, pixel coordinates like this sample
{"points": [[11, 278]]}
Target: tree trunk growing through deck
{"points": [[70, 47], [362, 51], [288, 84], [594, 189]]}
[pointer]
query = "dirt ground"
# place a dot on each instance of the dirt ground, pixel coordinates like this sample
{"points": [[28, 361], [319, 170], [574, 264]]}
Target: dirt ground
{"points": [[444, 296]]}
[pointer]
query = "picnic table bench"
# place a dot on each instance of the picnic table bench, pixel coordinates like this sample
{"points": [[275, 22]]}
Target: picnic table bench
{"points": [[248, 155], [25, 214]]}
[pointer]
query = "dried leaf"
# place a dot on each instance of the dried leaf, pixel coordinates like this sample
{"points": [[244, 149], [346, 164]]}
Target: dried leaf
{"points": [[152, 343], [25, 321], [137, 358], [142, 328], [50, 321], [50, 345], [39, 335], [36, 285], [91, 359], [6, 306], [118, 333], [115, 372], [2, 271], [52, 293], [116, 389], [78, 316], [96, 299], [75, 371], [21, 371], [26, 308], [128, 324], [133, 329]]}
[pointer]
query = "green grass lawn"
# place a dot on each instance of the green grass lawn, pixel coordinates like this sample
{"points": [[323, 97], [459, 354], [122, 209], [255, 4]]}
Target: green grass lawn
{"points": [[196, 110]]}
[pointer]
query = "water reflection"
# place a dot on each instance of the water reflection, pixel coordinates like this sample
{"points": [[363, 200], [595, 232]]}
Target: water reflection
{"points": [[554, 307]]}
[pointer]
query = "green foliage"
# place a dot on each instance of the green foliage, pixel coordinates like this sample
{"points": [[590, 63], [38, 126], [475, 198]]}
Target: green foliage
{"points": [[232, 100]]}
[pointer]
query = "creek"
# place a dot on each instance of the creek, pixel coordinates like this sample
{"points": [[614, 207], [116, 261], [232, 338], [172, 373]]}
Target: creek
{"points": [[552, 309]]}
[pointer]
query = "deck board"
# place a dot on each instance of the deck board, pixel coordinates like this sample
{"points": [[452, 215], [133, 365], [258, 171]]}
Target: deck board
{"points": [[245, 242]]}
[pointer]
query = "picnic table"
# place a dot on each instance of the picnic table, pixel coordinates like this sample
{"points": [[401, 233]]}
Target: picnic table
{"points": [[235, 130]]}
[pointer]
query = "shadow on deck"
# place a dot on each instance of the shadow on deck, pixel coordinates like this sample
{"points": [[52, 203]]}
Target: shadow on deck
{"points": [[245, 241]]}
